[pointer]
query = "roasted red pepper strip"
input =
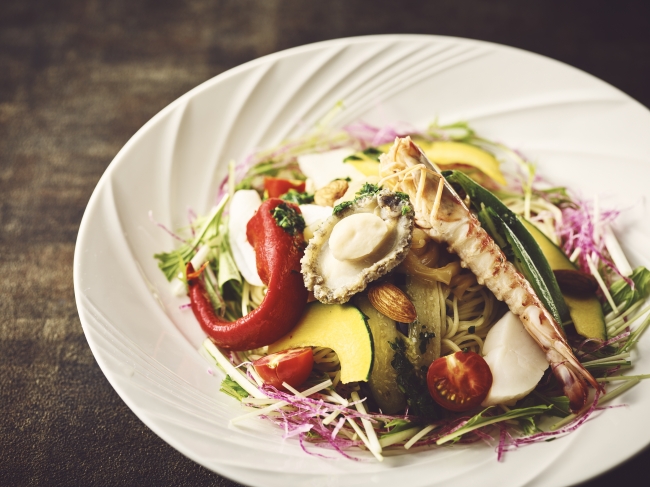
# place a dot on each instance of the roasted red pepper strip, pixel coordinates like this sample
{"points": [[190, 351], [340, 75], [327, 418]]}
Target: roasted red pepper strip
{"points": [[278, 256], [276, 187]]}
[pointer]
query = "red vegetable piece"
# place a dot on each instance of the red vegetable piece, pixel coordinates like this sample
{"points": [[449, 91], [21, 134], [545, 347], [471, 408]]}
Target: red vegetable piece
{"points": [[278, 255], [460, 381], [276, 187], [291, 366]]}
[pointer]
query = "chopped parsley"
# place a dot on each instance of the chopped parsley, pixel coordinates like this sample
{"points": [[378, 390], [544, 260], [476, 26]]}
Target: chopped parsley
{"points": [[406, 209], [288, 218], [342, 206], [298, 198], [366, 190], [413, 384]]}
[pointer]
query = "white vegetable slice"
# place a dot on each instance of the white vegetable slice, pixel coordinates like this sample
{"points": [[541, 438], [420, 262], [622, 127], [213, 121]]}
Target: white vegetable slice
{"points": [[515, 360], [243, 206], [315, 213], [324, 167]]}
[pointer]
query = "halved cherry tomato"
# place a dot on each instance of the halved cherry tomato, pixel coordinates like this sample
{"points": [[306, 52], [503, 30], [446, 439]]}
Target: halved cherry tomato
{"points": [[460, 381], [291, 366], [276, 187]]}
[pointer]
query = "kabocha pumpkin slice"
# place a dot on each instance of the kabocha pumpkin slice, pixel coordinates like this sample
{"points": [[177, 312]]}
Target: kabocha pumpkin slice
{"points": [[341, 327]]}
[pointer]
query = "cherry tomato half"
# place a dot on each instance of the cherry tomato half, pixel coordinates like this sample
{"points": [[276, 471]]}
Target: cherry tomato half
{"points": [[291, 366], [276, 187], [459, 381]]}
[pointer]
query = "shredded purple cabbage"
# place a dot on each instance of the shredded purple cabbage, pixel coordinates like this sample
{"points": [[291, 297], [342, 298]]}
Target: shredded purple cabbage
{"points": [[372, 136], [577, 232]]}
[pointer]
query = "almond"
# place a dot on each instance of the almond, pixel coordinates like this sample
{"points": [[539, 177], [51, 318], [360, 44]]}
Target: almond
{"points": [[391, 301], [575, 283]]}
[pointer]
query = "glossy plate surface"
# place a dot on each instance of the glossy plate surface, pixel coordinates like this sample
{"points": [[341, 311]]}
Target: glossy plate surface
{"points": [[582, 133]]}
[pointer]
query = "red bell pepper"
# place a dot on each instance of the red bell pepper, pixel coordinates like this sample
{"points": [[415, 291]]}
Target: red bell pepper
{"points": [[276, 187], [278, 254]]}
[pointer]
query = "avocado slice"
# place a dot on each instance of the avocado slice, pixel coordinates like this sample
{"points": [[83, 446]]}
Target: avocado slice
{"points": [[341, 327], [586, 312]]}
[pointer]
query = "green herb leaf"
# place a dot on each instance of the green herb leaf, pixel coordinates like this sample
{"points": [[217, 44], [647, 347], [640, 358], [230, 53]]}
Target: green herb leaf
{"points": [[622, 292], [397, 425], [412, 384], [342, 206], [288, 218], [233, 389], [298, 198], [173, 263], [227, 268], [481, 420], [367, 189]]}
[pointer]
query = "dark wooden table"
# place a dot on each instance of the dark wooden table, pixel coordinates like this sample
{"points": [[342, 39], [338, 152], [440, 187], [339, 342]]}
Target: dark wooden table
{"points": [[78, 78]]}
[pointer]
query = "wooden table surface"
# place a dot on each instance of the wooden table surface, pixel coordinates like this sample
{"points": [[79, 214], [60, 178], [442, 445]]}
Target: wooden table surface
{"points": [[78, 78]]}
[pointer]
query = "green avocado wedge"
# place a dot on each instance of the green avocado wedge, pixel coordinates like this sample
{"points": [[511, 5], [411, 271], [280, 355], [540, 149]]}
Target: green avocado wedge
{"points": [[586, 312], [341, 327], [516, 242]]}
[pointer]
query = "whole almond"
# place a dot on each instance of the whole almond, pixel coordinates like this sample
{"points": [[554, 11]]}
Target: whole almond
{"points": [[575, 283], [327, 195], [391, 301]]}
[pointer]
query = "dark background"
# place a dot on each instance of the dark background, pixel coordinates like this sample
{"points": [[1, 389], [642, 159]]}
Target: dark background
{"points": [[79, 77]]}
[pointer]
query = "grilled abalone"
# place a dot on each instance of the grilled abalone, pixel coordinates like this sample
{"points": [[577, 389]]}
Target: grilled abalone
{"points": [[362, 240]]}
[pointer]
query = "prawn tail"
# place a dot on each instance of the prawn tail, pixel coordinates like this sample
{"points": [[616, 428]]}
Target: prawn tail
{"points": [[573, 385], [573, 376]]}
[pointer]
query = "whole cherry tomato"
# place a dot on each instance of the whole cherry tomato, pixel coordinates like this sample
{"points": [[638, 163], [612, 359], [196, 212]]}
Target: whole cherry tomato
{"points": [[460, 381], [276, 187], [291, 366]]}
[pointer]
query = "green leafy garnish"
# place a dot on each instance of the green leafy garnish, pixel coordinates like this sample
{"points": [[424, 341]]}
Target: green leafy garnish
{"points": [[623, 294], [233, 389], [227, 268], [342, 206], [367, 189], [173, 263], [481, 420], [288, 218], [298, 198], [397, 425], [412, 384], [266, 168]]}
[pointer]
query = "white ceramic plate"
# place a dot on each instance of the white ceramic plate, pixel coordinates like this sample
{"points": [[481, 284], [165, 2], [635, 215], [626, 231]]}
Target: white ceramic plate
{"points": [[581, 131]]}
